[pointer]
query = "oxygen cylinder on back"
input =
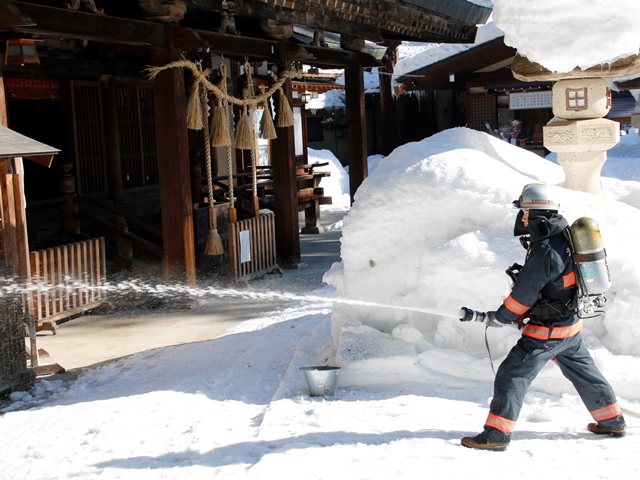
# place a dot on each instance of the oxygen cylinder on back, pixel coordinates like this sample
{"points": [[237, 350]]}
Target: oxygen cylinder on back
{"points": [[590, 256]]}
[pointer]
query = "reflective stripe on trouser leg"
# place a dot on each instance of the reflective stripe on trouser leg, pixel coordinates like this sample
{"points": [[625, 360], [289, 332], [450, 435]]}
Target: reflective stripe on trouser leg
{"points": [[505, 425], [606, 413], [594, 390], [515, 374]]}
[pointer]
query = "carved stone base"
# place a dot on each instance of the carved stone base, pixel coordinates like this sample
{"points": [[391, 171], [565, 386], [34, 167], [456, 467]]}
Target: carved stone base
{"points": [[582, 170], [588, 135]]}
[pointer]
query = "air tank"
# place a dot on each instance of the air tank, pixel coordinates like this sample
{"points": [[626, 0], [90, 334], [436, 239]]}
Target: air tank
{"points": [[590, 255]]}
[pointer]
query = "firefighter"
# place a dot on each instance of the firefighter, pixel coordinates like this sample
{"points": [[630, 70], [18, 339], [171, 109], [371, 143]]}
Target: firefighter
{"points": [[544, 292]]}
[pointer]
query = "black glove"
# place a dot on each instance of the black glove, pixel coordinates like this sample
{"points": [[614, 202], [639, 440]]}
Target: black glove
{"points": [[484, 317]]}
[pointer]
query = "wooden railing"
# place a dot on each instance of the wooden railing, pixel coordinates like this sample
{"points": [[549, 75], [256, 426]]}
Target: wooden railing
{"points": [[252, 247], [121, 229], [66, 281]]}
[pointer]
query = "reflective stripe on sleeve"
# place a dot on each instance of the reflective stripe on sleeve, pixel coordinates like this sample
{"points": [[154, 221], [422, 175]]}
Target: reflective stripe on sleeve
{"points": [[500, 423], [515, 306], [606, 413], [569, 280], [544, 333]]}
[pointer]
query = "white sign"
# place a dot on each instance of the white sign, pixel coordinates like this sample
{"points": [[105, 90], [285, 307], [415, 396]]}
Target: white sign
{"points": [[530, 100], [245, 246]]}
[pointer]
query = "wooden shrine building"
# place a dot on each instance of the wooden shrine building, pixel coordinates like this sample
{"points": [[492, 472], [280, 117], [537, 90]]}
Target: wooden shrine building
{"points": [[76, 75]]}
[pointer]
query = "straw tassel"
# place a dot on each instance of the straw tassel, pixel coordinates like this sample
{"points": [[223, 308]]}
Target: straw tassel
{"points": [[220, 128], [214, 242], [194, 109], [244, 132], [267, 128], [285, 114]]}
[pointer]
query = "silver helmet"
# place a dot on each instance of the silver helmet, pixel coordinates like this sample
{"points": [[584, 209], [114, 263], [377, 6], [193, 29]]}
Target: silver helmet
{"points": [[538, 196]]}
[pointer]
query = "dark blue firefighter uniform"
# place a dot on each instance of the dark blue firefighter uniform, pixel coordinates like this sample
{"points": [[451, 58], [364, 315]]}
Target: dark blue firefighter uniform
{"points": [[547, 335]]}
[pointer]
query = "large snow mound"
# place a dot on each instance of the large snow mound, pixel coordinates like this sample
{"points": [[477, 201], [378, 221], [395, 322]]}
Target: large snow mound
{"points": [[433, 227]]}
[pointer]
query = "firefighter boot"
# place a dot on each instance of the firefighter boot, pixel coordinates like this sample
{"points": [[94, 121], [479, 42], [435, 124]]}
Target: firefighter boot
{"points": [[480, 442], [614, 432]]}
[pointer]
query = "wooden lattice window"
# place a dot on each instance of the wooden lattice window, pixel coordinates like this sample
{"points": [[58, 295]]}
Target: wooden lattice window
{"points": [[576, 99], [137, 136], [481, 110], [89, 143]]}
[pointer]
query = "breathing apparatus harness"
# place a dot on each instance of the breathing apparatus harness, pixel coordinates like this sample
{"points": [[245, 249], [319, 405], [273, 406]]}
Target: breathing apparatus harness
{"points": [[584, 303]]}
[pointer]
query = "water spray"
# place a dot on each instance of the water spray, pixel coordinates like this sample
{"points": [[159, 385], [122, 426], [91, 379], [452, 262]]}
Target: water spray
{"points": [[181, 291]]}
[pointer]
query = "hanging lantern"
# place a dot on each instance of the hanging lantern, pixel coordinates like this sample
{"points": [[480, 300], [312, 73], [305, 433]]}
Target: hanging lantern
{"points": [[21, 51]]}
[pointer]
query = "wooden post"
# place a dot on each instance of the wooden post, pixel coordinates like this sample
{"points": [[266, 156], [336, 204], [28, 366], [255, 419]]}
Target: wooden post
{"points": [[8, 214], [112, 141], [23, 266], [3, 101], [170, 104], [285, 185], [69, 223], [124, 246], [196, 177], [357, 127]]}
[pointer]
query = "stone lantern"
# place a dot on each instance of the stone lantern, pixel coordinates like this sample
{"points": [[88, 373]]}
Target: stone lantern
{"points": [[578, 133]]}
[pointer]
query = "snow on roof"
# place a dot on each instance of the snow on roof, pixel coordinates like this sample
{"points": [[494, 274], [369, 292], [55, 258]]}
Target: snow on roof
{"points": [[434, 52]]}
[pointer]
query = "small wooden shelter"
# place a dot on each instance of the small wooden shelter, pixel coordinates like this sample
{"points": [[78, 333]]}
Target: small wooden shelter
{"points": [[15, 271]]}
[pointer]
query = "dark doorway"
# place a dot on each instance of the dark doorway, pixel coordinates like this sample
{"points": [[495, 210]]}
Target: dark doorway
{"points": [[46, 122]]}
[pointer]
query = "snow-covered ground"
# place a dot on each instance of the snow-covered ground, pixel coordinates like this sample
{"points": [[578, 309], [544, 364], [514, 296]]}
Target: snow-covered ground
{"points": [[238, 406]]}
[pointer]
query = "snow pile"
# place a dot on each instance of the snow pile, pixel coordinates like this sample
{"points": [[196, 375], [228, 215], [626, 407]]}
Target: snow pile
{"points": [[336, 185], [564, 35], [433, 227]]}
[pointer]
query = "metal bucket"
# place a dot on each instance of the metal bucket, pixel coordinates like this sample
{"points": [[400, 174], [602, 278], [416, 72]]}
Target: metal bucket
{"points": [[321, 380]]}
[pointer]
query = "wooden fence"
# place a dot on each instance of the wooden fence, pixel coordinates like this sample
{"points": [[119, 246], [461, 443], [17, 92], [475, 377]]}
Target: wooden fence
{"points": [[252, 247], [66, 280]]}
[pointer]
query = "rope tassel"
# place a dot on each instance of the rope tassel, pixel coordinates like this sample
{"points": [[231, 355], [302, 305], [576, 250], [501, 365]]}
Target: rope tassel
{"points": [[194, 109], [220, 128], [285, 114], [267, 128], [244, 132]]}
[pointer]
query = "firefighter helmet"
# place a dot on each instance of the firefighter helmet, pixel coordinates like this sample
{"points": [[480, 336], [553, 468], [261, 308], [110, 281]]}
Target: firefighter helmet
{"points": [[537, 196]]}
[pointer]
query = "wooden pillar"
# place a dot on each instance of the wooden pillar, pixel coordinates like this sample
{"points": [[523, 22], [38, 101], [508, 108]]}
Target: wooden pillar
{"points": [[69, 222], [112, 141], [3, 101], [357, 127], [283, 162], [8, 213], [170, 104], [20, 209]]}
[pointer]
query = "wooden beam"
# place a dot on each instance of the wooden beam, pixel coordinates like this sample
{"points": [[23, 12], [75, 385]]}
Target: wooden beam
{"points": [[170, 105], [259, 9], [88, 26], [633, 84], [374, 21], [356, 127]]}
